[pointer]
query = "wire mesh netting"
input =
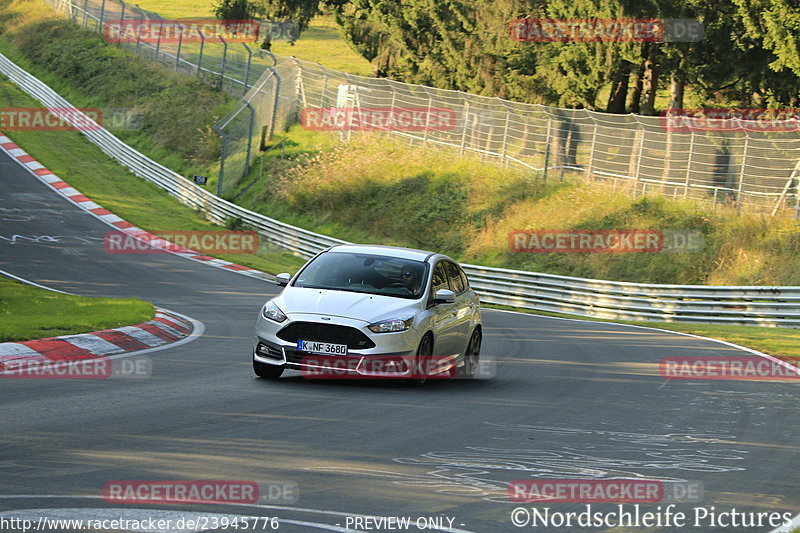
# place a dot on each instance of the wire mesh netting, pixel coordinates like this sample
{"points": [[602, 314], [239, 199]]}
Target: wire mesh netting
{"points": [[752, 165]]}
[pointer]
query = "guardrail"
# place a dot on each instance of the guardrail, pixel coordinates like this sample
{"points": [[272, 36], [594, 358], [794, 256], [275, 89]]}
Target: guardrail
{"points": [[745, 305]]}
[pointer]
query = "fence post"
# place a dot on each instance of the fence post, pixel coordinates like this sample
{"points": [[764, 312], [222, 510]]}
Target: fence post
{"points": [[139, 29], [102, 16], [85, 12], [247, 68], [301, 84], [505, 136], [427, 115], [272, 56], [391, 109], [275, 103], [200, 57], [547, 147], [639, 149], [121, 22], [224, 60], [249, 137], [740, 188], [797, 199], [158, 41], [589, 167], [181, 27], [464, 132], [689, 166], [223, 155]]}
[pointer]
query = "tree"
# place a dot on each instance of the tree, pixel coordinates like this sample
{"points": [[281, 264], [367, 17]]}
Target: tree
{"points": [[777, 24], [299, 11], [233, 10]]}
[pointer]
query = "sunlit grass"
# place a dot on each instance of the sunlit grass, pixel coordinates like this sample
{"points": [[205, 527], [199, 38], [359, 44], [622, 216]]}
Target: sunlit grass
{"points": [[28, 312]]}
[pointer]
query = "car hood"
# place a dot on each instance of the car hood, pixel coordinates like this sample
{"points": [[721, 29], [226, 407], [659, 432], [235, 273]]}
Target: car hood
{"points": [[355, 305]]}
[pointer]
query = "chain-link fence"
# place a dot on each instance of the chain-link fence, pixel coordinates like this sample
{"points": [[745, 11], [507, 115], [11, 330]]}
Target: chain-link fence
{"points": [[230, 65], [250, 126], [745, 166], [755, 170]]}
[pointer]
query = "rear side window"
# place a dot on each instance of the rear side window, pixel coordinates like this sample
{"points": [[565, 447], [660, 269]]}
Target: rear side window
{"points": [[456, 283], [463, 277], [439, 280]]}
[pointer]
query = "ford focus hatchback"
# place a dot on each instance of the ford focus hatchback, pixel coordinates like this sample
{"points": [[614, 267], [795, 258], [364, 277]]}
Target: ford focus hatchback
{"points": [[385, 311]]}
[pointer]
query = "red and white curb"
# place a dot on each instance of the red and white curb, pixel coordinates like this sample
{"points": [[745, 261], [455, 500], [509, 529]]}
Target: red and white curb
{"points": [[73, 195], [165, 328]]}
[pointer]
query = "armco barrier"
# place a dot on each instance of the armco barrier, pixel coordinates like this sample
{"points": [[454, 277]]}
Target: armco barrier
{"points": [[762, 306]]}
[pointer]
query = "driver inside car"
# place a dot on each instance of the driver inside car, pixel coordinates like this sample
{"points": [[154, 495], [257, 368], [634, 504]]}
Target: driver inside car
{"points": [[410, 279]]}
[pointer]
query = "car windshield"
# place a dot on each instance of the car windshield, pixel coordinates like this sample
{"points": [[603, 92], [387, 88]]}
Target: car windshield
{"points": [[367, 273]]}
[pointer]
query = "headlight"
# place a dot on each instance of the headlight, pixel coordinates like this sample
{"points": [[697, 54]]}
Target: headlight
{"points": [[394, 324], [272, 312]]}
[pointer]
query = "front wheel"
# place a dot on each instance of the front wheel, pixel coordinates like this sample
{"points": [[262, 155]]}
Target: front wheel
{"points": [[471, 357], [266, 371], [424, 352]]}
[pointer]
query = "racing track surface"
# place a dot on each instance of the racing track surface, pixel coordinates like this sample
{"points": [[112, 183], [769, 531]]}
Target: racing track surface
{"points": [[570, 399]]}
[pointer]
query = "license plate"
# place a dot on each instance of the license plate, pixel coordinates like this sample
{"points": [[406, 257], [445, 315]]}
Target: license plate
{"points": [[323, 348]]}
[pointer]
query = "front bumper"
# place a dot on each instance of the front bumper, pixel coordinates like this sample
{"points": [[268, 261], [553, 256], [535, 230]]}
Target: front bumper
{"points": [[375, 366], [389, 348]]}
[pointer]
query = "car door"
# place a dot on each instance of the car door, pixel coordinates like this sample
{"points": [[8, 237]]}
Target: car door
{"points": [[443, 316], [462, 310]]}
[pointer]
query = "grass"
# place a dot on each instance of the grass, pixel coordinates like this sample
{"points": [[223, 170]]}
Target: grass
{"points": [[85, 167], [320, 43], [378, 189], [26, 312]]}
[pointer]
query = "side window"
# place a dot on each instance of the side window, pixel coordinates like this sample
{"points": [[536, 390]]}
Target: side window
{"points": [[439, 280], [463, 277], [456, 283]]}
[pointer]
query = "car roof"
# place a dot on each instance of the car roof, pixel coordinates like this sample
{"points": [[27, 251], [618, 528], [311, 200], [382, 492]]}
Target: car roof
{"points": [[393, 251]]}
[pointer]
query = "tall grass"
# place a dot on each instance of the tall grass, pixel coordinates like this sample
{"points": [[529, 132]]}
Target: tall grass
{"points": [[378, 189], [177, 111]]}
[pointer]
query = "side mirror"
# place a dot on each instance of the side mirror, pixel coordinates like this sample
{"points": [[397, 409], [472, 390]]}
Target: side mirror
{"points": [[444, 296], [283, 279]]}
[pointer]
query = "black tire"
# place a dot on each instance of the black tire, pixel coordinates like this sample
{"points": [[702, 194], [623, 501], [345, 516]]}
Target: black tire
{"points": [[424, 352], [266, 371], [471, 356]]}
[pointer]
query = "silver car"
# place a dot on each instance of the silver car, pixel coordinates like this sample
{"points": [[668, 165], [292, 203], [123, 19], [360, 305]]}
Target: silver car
{"points": [[387, 311]]}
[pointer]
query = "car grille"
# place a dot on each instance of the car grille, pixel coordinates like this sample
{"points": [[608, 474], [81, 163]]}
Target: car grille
{"points": [[331, 333]]}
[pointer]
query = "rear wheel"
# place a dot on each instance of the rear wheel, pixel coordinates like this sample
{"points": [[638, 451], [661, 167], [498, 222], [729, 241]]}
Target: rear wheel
{"points": [[424, 352], [266, 371], [471, 356]]}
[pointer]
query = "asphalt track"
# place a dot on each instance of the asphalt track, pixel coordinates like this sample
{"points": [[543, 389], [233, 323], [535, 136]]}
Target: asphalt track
{"points": [[569, 399]]}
